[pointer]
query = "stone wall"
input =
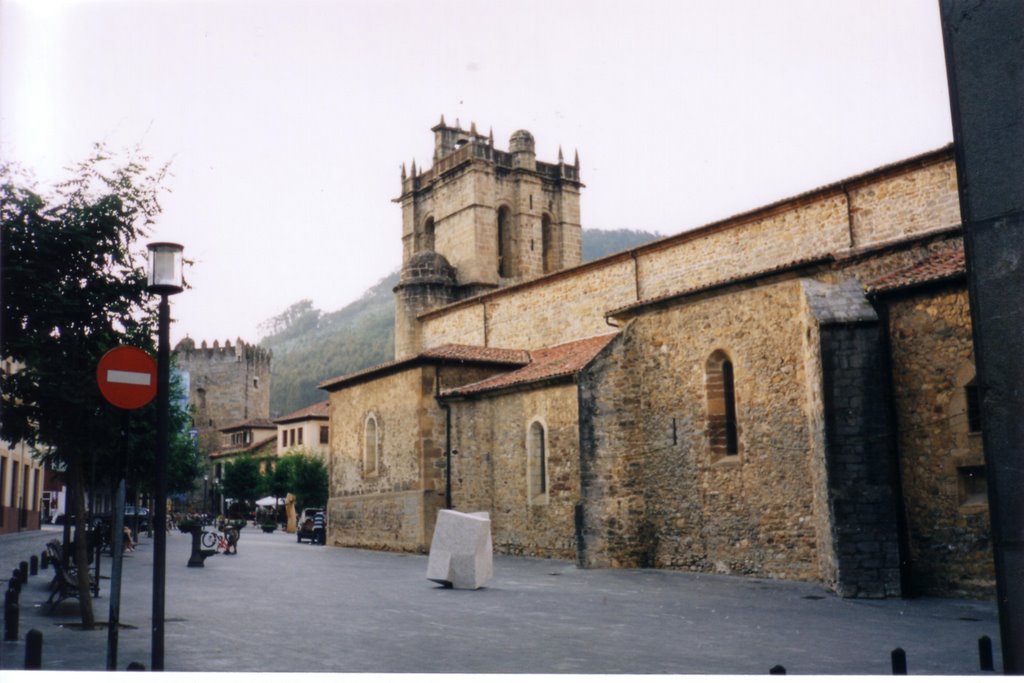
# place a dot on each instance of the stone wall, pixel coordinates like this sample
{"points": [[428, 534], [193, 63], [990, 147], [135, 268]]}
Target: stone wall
{"points": [[227, 385], [947, 513], [912, 199], [393, 506], [489, 468], [653, 494]]}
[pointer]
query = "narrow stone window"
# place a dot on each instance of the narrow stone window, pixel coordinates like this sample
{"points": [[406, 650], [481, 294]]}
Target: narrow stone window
{"points": [[722, 429], [537, 464], [428, 235], [301, 431], [371, 447], [973, 485], [504, 242], [547, 244], [323, 435], [973, 397]]}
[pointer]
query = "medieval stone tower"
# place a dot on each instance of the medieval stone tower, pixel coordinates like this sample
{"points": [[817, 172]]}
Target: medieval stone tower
{"points": [[479, 219], [226, 385]]}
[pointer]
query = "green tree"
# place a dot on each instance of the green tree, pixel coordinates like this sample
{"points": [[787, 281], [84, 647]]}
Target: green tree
{"points": [[309, 481], [278, 476], [74, 287], [242, 480]]}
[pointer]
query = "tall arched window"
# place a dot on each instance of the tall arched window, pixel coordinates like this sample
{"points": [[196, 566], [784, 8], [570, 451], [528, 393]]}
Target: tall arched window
{"points": [[504, 242], [428, 235], [371, 446], [722, 430], [536, 463], [547, 244]]}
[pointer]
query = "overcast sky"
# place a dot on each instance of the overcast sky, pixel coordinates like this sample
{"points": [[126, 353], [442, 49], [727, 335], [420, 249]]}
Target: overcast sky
{"points": [[286, 122]]}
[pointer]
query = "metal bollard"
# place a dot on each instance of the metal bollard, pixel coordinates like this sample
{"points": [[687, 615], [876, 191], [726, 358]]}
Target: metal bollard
{"points": [[33, 650], [136, 666], [985, 654], [33, 565], [23, 566], [777, 670], [899, 662], [11, 614], [15, 581]]}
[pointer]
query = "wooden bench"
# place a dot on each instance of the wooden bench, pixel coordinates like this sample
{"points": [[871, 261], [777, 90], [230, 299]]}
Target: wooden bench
{"points": [[65, 579]]}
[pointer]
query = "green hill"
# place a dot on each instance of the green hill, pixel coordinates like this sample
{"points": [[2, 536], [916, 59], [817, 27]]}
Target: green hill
{"points": [[310, 346]]}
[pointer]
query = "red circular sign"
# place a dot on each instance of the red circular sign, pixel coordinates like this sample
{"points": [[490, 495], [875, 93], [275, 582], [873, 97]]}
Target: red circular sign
{"points": [[127, 377]]}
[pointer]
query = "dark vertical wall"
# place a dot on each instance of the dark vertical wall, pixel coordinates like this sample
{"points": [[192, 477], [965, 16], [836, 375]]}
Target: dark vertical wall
{"points": [[859, 461], [985, 66]]}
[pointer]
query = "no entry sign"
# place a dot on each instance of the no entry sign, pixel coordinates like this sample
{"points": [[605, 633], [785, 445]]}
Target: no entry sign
{"points": [[127, 377]]}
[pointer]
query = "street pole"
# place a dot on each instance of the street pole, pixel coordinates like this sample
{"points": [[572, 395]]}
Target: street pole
{"points": [[163, 367]]}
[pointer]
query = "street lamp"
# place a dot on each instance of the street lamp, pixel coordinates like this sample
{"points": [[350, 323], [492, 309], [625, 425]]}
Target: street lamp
{"points": [[164, 278]]}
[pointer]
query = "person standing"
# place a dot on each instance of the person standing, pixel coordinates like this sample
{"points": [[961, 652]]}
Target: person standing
{"points": [[319, 528]]}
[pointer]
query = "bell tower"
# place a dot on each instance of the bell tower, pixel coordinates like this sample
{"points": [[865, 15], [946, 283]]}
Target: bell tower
{"points": [[495, 217]]}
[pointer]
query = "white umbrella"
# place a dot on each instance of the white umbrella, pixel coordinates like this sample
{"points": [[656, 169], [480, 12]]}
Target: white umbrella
{"points": [[269, 501]]}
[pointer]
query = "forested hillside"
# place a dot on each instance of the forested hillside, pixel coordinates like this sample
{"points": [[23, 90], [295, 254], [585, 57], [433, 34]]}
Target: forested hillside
{"points": [[310, 346]]}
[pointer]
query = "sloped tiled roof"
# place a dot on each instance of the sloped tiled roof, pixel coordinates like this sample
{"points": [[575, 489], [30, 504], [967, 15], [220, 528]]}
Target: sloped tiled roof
{"points": [[563, 360], [446, 354], [253, 423], [939, 266], [465, 352], [315, 411], [242, 450]]}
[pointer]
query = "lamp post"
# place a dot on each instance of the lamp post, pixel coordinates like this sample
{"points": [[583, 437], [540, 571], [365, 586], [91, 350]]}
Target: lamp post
{"points": [[164, 279]]}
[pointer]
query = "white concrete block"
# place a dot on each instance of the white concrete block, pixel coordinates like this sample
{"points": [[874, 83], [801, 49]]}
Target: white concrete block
{"points": [[461, 553]]}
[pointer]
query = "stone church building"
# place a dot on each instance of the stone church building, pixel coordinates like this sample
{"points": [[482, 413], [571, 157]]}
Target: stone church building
{"points": [[785, 393]]}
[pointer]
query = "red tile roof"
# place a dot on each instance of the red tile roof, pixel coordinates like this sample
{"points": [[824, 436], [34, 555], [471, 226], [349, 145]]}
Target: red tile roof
{"points": [[253, 423], [487, 354], [315, 411], [444, 355], [559, 361], [939, 266]]}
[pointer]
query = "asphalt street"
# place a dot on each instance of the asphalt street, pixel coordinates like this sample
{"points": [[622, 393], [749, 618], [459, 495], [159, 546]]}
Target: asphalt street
{"points": [[281, 606]]}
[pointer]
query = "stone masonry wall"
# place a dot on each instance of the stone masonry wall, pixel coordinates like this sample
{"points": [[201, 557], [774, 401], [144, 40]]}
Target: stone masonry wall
{"points": [[489, 468], [393, 507], [752, 513], [227, 385], [932, 362], [912, 202], [897, 204]]}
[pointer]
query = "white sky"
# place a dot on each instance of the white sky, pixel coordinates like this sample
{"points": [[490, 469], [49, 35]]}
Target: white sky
{"points": [[286, 122]]}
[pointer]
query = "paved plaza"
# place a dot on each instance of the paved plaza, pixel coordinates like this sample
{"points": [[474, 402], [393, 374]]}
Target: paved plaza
{"points": [[281, 606]]}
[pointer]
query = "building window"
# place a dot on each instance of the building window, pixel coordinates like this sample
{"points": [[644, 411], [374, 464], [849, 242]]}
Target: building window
{"points": [[973, 486], [300, 431], [536, 463], [428, 235], [547, 244], [504, 242], [371, 446], [255, 382], [284, 438], [722, 429], [973, 397], [323, 435]]}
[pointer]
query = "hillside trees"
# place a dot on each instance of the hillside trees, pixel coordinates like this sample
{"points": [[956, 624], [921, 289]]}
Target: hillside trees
{"points": [[74, 287]]}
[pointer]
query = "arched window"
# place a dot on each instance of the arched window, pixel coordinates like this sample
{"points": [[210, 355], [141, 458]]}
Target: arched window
{"points": [[536, 464], [371, 446], [547, 244], [504, 242], [722, 430], [428, 235]]}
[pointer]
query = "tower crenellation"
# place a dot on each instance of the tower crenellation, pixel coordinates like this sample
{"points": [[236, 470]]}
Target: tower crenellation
{"points": [[226, 383]]}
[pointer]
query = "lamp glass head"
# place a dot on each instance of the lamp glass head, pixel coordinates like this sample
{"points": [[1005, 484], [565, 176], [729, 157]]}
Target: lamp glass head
{"points": [[165, 260]]}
